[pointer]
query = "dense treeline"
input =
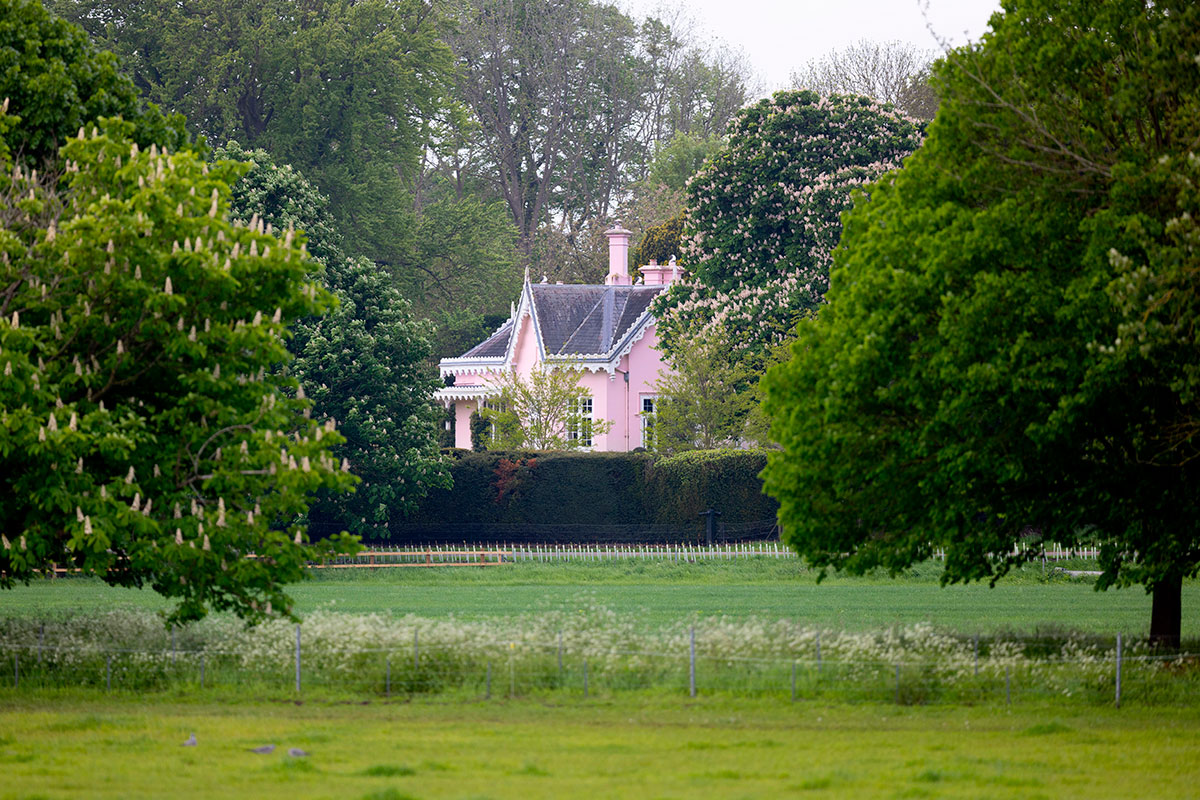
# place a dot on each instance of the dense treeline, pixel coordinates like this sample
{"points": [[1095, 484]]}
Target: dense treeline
{"points": [[599, 489], [456, 143]]}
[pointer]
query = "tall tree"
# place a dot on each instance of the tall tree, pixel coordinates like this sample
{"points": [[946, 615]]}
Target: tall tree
{"points": [[365, 364], [56, 81], [343, 90], [571, 99], [763, 215], [1006, 354], [145, 440], [890, 72]]}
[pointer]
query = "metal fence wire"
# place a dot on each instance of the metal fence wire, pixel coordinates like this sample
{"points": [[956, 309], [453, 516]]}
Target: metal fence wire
{"points": [[980, 670]]}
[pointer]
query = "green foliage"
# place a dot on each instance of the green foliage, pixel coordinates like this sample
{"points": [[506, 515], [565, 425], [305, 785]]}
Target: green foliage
{"points": [[1007, 352], [704, 399], [144, 437], [340, 89], [366, 365], [763, 214], [481, 432], [600, 488], [680, 487], [56, 81], [542, 412], [660, 243], [282, 197], [680, 159], [540, 487]]}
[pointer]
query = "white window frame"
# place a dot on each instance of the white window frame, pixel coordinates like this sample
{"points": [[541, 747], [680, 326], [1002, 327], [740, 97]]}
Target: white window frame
{"points": [[649, 419], [583, 410]]}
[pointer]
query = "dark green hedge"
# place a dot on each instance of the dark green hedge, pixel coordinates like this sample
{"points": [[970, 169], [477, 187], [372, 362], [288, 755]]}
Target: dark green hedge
{"points": [[600, 488], [684, 485]]}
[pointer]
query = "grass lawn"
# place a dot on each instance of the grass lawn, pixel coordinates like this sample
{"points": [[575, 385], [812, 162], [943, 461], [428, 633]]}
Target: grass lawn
{"points": [[79, 744], [662, 592]]}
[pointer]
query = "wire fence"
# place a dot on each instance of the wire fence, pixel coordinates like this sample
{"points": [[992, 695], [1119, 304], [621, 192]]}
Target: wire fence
{"points": [[975, 670], [474, 553]]}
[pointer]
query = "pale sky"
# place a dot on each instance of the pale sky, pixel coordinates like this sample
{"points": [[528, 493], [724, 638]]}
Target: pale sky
{"points": [[779, 36]]}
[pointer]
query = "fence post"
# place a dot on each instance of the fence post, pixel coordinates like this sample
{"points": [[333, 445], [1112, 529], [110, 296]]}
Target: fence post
{"points": [[692, 663], [1118, 670], [387, 678], [297, 658]]}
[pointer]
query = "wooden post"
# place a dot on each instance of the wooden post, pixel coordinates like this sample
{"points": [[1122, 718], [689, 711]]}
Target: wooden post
{"points": [[692, 663], [1118, 670], [297, 658]]}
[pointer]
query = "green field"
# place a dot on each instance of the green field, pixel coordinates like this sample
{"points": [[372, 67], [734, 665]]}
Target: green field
{"points": [[662, 592], [630, 746]]}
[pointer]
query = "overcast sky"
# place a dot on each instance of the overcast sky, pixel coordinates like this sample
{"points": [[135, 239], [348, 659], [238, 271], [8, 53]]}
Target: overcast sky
{"points": [[779, 36]]}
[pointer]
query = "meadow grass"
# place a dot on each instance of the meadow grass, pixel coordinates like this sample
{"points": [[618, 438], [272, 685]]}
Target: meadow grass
{"points": [[77, 743], [658, 593]]}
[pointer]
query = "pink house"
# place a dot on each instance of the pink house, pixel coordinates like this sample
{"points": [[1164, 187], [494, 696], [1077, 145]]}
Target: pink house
{"points": [[606, 330]]}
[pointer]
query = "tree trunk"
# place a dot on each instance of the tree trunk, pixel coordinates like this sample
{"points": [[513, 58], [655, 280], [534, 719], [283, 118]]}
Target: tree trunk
{"points": [[1166, 613]]}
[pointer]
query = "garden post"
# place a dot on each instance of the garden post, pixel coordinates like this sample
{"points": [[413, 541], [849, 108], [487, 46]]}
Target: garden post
{"points": [[297, 658], [692, 663], [1118, 670]]}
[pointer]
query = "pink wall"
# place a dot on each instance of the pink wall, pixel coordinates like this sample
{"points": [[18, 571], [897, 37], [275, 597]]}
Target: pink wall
{"points": [[612, 397]]}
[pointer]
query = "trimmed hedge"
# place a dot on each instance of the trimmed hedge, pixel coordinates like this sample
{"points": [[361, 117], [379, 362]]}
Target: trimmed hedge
{"points": [[684, 485], [599, 489]]}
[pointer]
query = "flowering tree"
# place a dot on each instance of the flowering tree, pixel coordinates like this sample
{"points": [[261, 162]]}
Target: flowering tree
{"points": [[543, 411], [764, 214], [146, 437]]}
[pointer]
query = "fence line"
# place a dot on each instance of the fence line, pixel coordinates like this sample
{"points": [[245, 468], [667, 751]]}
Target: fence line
{"points": [[433, 667]]}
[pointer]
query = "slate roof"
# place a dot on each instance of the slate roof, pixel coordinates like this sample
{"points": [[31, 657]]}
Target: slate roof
{"points": [[495, 346], [585, 321], [588, 320]]}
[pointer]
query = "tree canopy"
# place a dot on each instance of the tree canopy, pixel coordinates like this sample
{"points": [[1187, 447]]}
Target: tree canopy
{"points": [[1008, 355], [145, 437], [342, 90], [763, 215]]}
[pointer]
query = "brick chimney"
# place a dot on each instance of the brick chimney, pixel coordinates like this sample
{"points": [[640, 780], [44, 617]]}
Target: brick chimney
{"points": [[618, 256]]}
